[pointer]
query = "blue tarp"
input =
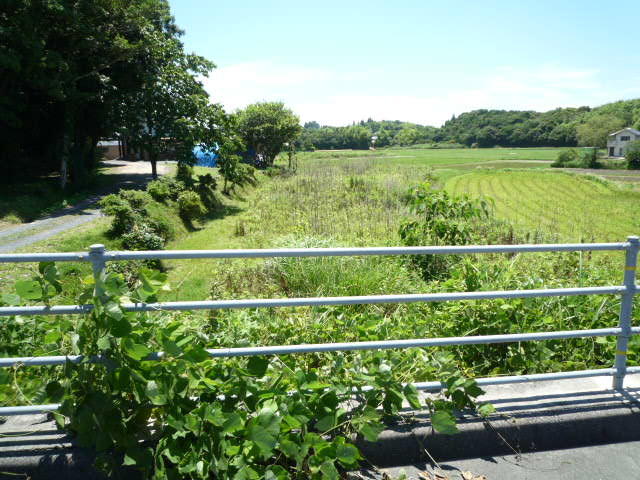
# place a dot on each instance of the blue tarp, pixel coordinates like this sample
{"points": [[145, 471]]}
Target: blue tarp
{"points": [[205, 158]]}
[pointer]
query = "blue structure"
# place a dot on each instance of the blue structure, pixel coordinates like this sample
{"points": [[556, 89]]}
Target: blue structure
{"points": [[205, 158]]}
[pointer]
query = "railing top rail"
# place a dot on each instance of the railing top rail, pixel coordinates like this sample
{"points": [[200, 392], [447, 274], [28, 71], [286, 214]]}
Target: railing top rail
{"points": [[317, 301], [310, 252]]}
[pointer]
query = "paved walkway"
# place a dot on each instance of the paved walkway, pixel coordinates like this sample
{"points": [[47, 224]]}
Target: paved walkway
{"points": [[125, 174]]}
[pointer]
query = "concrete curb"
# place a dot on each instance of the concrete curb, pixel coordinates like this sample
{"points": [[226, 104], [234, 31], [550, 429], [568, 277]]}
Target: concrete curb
{"points": [[543, 416], [537, 417]]}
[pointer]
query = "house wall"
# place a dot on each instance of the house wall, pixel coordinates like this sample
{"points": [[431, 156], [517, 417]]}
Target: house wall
{"points": [[618, 145]]}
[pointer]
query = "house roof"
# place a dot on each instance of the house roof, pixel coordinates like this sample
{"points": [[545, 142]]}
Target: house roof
{"points": [[628, 129]]}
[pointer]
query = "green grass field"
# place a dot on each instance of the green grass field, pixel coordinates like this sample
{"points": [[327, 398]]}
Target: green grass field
{"points": [[572, 207]]}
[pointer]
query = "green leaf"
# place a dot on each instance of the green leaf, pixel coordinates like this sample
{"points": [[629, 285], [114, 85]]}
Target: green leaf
{"points": [[329, 470], [486, 409], [233, 423], [29, 289], [10, 299], [326, 423], [411, 394], [52, 336], [155, 394], [443, 421], [135, 350], [54, 391], [113, 310], [257, 366], [347, 454], [104, 343], [262, 438], [371, 431], [120, 328]]}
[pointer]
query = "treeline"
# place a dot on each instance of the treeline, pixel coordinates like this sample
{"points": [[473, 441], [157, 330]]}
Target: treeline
{"points": [[358, 136], [562, 127]]}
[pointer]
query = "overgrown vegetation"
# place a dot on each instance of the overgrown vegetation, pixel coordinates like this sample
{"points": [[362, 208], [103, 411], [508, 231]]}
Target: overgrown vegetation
{"points": [[572, 158], [269, 431]]}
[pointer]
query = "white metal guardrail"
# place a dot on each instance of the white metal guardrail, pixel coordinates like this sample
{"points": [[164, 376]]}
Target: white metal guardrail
{"points": [[98, 256]]}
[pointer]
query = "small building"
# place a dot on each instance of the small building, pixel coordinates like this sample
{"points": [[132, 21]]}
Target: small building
{"points": [[617, 141], [111, 149]]}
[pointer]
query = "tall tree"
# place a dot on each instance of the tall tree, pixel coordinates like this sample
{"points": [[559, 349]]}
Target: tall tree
{"points": [[163, 113], [265, 128]]}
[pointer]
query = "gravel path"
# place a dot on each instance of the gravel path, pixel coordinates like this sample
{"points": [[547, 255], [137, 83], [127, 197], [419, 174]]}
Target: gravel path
{"points": [[126, 174]]}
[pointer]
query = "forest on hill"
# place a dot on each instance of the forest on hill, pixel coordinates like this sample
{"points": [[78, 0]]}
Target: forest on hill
{"points": [[562, 127]]}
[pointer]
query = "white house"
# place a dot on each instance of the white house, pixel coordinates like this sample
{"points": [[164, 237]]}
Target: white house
{"points": [[618, 141]]}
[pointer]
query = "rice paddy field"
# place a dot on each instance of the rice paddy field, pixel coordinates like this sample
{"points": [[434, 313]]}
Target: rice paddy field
{"points": [[572, 207]]}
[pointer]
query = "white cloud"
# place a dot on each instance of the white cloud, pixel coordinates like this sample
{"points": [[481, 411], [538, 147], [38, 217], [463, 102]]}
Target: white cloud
{"points": [[327, 96]]}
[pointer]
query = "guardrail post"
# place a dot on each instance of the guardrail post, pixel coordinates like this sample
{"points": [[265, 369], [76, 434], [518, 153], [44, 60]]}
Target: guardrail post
{"points": [[96, 256], [626, 309]]}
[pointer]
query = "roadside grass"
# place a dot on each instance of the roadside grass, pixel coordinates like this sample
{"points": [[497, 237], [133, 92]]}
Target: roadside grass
{"points": [[360, 202], [565, 206]]}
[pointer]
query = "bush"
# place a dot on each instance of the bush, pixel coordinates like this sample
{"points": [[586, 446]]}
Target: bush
{"points": [[138, 200], [190, 206], [632, 156], [571, 158], [445, 219], [124, 217], [565, 157], [142, 237], [184, 174], [589, 158], [165, 189]]}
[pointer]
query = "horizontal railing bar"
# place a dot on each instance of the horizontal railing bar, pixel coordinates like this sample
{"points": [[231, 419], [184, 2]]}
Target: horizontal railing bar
{"points": [[349, 346], [414, 343], [424, 386], [308, 252], [318, 301], [44, 257], [28, 409]]}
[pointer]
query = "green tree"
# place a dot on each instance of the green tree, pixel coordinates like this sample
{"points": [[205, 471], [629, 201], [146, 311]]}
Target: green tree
{"points": [[632, 154], [265, 128], [407, 136], [164, 113], [593, 132]]}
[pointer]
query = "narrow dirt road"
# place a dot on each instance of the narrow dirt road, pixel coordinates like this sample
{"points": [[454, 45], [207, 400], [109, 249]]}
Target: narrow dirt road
{"points": [[125, 175]]}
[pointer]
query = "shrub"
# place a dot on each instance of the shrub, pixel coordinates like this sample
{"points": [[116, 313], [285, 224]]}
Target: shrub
{"points": [[138, 199], [445, 219], [190, 206], [165, 189], [565, 157], [632, 156], [124, 217], [184, 174], [589, 158], [142, 237]]}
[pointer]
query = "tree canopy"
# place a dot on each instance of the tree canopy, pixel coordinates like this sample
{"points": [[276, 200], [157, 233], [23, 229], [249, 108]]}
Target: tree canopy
{"points": [[265, 127], [562, 127], [73, 72]]}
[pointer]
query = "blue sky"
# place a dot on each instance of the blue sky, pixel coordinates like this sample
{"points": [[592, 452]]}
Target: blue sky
{"points": [[342, 61]]}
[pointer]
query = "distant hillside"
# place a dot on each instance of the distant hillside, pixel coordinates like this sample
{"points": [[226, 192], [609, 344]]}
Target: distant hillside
{"points": [[562, 127]]}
